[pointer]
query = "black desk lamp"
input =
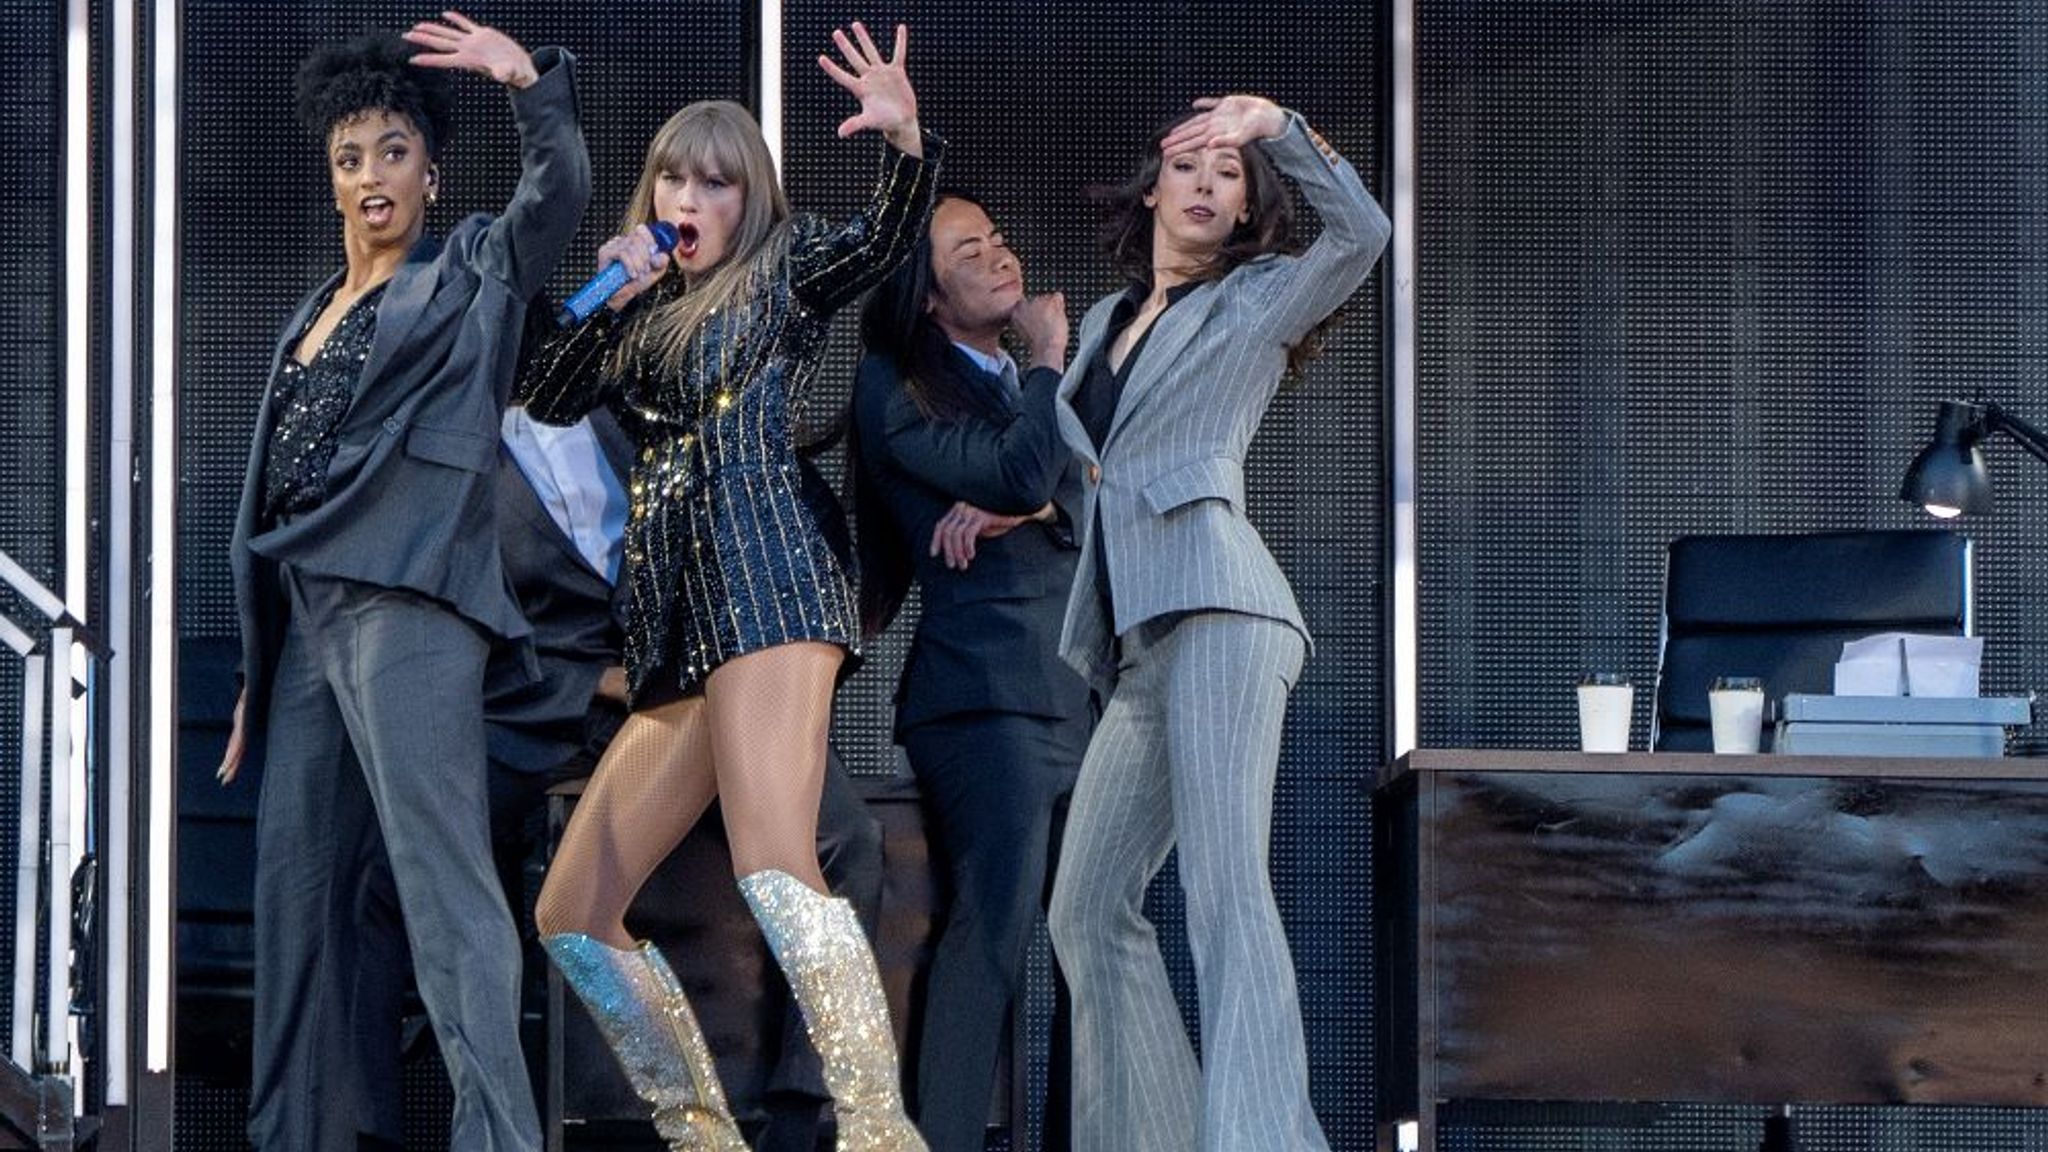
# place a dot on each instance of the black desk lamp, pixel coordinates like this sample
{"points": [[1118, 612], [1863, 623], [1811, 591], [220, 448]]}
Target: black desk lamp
{"points": [[1948, 477]]}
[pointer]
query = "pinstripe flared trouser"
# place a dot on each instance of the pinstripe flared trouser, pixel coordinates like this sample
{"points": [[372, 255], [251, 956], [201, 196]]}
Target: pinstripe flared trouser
{"points": [[1186, 753]]}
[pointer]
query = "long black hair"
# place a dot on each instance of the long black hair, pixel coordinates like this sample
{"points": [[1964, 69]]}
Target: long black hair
{"points": [[896, 325], [373, 73]]}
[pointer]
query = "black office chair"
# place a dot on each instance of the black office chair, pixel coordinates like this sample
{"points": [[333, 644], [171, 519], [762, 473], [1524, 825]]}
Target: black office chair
{"points": [[1781, 607]]}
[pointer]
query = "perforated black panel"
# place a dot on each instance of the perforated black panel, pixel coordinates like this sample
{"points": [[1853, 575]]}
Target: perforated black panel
{"points": [[1706, 271], [1707, 267], [31, 369], [1039, 101], [1082, 86]]}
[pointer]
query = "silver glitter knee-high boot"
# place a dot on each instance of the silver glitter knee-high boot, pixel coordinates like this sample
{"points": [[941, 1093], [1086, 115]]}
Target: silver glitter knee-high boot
{"points": [[640, 1008], [822, 950]]}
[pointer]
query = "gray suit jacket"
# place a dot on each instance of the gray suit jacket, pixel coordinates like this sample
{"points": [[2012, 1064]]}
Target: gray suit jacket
{"points": [[409, 492], [1166, 490]]}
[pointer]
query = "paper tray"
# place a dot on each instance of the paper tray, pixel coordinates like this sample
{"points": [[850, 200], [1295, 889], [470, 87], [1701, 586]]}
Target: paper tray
{"points": [[2013, 711]]}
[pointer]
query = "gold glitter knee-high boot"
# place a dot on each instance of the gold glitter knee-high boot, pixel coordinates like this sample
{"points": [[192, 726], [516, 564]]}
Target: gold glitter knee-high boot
{"points": [[640, 1008], [822, 950]]}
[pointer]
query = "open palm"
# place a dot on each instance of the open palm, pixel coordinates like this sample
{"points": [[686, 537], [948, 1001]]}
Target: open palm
{"points": [[465, 45], [887, 103]]}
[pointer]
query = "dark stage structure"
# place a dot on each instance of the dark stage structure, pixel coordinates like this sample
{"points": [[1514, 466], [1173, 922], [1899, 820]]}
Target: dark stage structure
{"points": [[1038, 104], [1673, 268]]}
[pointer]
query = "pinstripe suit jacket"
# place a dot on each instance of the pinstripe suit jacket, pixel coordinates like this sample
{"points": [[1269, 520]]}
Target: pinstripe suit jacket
{"points": [[1166, 488]]}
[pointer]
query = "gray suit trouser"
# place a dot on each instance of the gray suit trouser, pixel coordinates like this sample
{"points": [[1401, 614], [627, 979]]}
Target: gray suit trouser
{"points": [[1186, 752], [377, 714]]}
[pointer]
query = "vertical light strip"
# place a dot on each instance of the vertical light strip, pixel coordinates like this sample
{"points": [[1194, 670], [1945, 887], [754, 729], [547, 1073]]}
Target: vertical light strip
{"points": [[161, 877], [76, 526], [83, 746], [57, 872], [1407, 630], [117, 757], [28, 858], [771, 79], [77, 297]]}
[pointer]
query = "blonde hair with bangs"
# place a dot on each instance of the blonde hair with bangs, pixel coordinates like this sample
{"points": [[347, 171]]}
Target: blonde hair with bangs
{"points": [[709, 136]]}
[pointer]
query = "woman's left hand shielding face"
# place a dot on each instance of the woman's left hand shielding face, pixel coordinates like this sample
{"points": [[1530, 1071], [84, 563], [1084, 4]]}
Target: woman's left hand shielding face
{"points": [[1228, 122]]}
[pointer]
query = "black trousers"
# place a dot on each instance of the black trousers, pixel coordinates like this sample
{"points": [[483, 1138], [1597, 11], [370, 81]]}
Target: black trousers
{"points": [[995, 787]]}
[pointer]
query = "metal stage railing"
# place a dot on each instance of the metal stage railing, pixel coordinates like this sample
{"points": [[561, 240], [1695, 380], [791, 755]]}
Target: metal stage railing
{"points": [[59, 657]]}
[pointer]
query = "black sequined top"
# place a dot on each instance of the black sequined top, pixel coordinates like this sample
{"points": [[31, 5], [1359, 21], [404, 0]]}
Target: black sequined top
{"points": [[723, 554], [310, 400]]}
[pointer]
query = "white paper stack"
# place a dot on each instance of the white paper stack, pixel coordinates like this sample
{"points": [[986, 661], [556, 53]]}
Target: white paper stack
{"points": [[1906, 664]]}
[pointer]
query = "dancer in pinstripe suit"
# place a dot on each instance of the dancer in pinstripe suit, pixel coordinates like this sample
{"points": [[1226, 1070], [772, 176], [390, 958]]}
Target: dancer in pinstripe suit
{"points": [[1181, 618], [739, 614]]}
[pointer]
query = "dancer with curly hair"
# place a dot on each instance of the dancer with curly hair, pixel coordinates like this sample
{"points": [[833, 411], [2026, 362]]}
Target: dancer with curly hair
{"points": [[367, 574]]}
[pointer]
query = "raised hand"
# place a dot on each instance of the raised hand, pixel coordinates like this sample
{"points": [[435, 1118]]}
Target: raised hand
{"points": [[643, 259], [887, 103], [1228, 122], [464, 44]]}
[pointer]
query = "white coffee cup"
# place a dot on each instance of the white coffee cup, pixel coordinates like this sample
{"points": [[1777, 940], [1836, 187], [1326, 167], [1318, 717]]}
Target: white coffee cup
{"points": [[1737, 705], [1606, 706]]}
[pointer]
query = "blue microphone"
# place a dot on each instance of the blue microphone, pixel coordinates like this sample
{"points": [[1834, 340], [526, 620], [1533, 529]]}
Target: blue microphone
{"points": [[589, 298]]}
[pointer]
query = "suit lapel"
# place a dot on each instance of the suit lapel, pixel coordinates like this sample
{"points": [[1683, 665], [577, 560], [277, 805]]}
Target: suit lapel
{"points": [[990, 385], [404, 299], [1093, 327], [1169, 338]]}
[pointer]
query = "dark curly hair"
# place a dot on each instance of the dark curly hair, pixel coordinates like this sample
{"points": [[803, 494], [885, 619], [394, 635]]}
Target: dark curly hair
{"points": [[373, 73], [1126, 234]]}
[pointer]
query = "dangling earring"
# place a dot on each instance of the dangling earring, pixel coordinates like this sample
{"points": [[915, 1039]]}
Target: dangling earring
{"points": [[433, 186]]}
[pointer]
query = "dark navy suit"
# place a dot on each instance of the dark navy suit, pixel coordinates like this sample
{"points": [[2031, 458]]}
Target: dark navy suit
{"points": [[994, 723]]}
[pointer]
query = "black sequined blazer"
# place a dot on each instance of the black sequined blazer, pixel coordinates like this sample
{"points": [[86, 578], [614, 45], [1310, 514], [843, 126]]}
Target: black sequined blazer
{"points": [[723, 555]]}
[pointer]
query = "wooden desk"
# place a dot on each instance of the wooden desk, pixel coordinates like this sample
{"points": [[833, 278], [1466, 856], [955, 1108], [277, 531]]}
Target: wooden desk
{"points": [[1687, 927]]}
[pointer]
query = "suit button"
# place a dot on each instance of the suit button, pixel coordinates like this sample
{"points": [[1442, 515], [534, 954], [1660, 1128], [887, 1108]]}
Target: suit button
{"points": [[392, 425], [1095, 473]]}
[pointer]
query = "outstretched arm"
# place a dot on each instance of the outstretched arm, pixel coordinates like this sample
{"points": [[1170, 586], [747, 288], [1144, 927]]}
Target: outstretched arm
{"points": [[831, 267], [522, 246]]}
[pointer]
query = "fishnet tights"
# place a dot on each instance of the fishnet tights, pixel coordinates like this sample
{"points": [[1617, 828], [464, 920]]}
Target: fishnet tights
{"points": [[755, 741]]}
